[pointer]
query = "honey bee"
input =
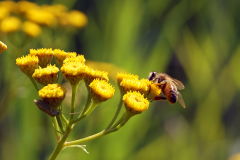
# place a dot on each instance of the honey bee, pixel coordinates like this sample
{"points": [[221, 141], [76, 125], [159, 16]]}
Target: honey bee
{"points": [[169, 87]]}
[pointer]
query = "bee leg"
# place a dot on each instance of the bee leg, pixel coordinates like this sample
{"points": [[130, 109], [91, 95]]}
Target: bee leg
{"points": [[159, 98], [161, 83]]}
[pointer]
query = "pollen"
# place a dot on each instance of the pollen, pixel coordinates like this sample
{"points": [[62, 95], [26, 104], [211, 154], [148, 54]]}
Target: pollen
{"points": [[135, 102], [121, 76], [46, 75], [53, 94], [27, 64], [45, 56], [60, 56], [101, 90], [3, 47], [74, 72], [79, 58], [91, 74], [31, 29], [134, 85]]}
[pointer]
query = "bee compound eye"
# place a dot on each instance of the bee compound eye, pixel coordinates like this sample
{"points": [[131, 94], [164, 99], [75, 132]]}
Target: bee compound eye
{"points": [[152, 75]]}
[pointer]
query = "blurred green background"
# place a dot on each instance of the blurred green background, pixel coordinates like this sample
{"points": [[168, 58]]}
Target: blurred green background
{"points": [[196, 42]]}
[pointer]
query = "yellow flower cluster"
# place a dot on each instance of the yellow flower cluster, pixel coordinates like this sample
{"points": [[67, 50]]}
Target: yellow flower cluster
{"points": [[101, 90], [28, 64], [61, 55], [91, 74], [3, 47], [135, 102], [31, 29], [36, 16], [74, 72], [46, 75], [44, 55], [53, 94], [79, 58]]}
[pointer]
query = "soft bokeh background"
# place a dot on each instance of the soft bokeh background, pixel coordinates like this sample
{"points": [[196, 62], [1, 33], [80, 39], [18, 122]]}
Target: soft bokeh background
{"points": [[196, 42]]}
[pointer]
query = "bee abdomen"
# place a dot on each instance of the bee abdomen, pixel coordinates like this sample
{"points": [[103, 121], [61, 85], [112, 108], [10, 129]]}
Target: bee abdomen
{"points": [[172, 96]]}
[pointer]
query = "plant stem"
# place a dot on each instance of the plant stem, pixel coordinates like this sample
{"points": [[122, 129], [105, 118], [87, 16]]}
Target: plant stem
{"points": [[74, 92], [60, 78], [102, 133], [69, 127], [90, 109], [87, 104], [34, 83], [56, 128], [60, 123], [116, 114]]}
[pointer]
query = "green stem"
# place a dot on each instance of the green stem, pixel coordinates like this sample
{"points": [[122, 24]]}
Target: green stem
{"points": [[74, 92], [116, 114], [119, 121], [60, 123], [60, 78], [90, 109], [87, 104], [64, 119], [34, 83], [56, 128], [60, 144], [102, 133]]}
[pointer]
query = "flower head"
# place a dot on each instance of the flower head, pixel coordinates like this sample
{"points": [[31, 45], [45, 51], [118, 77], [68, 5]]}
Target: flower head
{"points": [[3, 47], [27, 64], [135, 102], [79, 58], [10, 24], [153, 90], [74, 72], [32, 29], [77, 19], [60, 56], [91, 74], [24, 6], [41, 17], [121, 76], [4, 12], [134, 85], [45, 56], [46, 75], [52, 94], [101, 90]]}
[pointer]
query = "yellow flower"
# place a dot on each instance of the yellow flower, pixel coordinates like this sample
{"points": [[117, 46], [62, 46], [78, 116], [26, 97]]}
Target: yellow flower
{"points": [[121, 76], [4, 12], [91, 74], [32, 29], [55, 9], [10, 5], [28, 64], [24, 6], [101, 90], [3, 47], [41, 17], [46, 75], [135, 102], [52, 94], [77, 19], [79, 58], [153, 91], [44, 55], [10, 24], [134, 85], [60, 55], [74, 72]]}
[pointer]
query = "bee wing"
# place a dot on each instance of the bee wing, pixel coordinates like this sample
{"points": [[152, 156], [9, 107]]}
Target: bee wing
{"points": [[178, 83], [180, 100]]}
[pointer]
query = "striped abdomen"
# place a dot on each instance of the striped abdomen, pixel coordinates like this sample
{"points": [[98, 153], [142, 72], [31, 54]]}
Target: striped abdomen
{"points": [[170, 91]]}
